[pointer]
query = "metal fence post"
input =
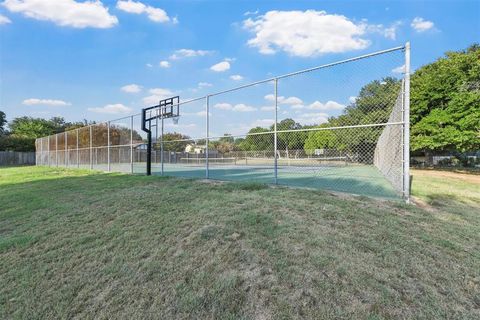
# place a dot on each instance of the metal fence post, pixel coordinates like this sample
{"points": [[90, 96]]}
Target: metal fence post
{"points": [[91, 154], [108, 146], [406, 127], [207, 107], [162, 159], [156, 140], [275, 132], [131, 144]]}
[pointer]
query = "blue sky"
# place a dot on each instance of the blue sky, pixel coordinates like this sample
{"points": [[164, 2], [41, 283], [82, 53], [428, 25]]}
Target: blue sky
{"points": [[106, 59]]}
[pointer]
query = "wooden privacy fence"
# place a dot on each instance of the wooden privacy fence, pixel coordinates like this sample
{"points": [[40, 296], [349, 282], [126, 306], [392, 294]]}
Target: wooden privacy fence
{"points": [[16, 158]]}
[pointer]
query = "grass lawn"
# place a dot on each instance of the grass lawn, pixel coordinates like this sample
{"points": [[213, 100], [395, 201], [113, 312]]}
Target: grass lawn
{"points": [[80, 244]]}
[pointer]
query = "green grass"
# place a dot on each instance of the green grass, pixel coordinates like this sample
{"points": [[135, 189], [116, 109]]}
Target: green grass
{"points": [[79, 244]]}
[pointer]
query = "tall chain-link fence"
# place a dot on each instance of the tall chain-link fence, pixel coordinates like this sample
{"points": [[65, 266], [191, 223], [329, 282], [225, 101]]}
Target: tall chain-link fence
{"points": [[342, 127]]}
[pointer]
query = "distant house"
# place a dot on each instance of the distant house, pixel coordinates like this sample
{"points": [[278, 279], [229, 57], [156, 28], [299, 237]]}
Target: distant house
{"points": [[194, 148], [141, 146]]}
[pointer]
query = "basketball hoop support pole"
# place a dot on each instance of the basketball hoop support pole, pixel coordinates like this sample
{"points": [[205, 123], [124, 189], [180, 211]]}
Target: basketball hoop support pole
{"points": [[149, 142], [163, 105]]}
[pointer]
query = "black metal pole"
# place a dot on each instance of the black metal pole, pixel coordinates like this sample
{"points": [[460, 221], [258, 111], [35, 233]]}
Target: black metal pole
{"points": [[149, 153], [149, 142]]}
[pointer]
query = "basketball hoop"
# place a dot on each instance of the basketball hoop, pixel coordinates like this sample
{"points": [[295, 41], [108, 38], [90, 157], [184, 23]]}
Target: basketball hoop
{"points": [[175, 120]]}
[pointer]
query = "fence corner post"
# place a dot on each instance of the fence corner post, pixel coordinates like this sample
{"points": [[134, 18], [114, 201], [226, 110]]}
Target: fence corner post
{"points": [[275, 133], [207, 134], [131, 144], [108, 146], [406, 126]]}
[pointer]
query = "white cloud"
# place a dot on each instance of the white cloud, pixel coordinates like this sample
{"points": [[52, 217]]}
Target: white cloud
{"points": [[251, 13], [161, 92], [199, 113], [65, 12], [164, 64], [305, 33], [267, 108], [312, 118], [223, 106], [421, 25], [189, 53], [261, 123], [157, 94], [291, 101], [329, 105], [271, 97], [221, 66], [131, 88], [204, 84], [283, 100], [243, 108], [400, 69], [237, 108], [387, 32], [112, 109], [137, 7], [149, 65], [298, 106], [391, 32], [4, 20], [236, 77], [45, 102], [352, 99], [180, 126]]}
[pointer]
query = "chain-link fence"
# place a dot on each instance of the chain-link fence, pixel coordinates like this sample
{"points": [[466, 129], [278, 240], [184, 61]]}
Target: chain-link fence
{"points": [[341, 127]]}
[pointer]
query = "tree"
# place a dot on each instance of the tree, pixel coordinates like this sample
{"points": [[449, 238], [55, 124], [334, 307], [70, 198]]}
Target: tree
{"points": [[28, 127], [24, 131], [445, 103], [373, 104], [289, 140], [224, 145], [257, 140], [174, 142], [3, 122], [321, 139]]}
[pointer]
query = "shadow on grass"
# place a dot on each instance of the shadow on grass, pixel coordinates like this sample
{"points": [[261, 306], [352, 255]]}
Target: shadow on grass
{"points": [[363, 185], [455, 204]]}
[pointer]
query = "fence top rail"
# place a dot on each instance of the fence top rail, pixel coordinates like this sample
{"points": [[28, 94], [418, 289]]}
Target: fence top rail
{"points": [[323, 66]]}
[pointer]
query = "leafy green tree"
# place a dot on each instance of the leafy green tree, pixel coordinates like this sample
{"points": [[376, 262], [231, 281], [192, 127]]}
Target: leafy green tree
{"points": [[322, 139], [14, 143], [227, 138], [373, 104], [3, 122], [445, 103], [289, 140], [174, 142], [223, 145], [256, 140], [29, 127]]}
